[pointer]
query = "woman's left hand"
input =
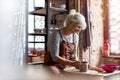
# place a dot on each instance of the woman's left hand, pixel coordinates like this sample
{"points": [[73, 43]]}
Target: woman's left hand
{"points": [[91, 67]]}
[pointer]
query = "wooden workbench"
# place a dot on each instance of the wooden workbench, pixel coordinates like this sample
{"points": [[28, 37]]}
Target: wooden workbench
{"points": [[72, 74]]}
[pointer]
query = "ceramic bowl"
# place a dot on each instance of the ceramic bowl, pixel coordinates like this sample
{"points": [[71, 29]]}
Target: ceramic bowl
{"points": [[109, 68]]}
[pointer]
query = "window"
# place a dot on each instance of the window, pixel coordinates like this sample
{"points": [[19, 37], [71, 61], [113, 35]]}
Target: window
{"points": [[112, 23], [35, 22]]}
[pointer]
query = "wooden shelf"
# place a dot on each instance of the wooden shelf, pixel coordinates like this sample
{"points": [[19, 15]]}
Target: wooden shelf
{"points": [[31, 55], [35, 42], [34, 63], [35, 59], [58, 9], [42, 11], [42, 34], [112, 56]]}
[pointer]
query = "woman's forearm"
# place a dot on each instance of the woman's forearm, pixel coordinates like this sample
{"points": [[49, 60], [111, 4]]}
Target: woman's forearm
{"points": [[65, 61]]}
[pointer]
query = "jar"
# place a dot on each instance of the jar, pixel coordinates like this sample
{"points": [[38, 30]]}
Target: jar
{"points": [[84, 67]]}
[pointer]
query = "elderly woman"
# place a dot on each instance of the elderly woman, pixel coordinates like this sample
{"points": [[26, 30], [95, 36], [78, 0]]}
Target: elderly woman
{"points": [[63, 43]]}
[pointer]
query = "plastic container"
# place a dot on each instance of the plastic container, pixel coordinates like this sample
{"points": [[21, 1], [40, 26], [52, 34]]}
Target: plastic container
{"points": [[106, 49]]}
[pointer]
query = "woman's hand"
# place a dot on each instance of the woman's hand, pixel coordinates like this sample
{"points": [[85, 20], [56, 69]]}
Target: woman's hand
{"points": [[77, 64], [91, 67]]}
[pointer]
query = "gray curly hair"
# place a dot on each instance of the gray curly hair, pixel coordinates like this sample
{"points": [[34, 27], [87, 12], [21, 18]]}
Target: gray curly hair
{"points": [[75, 17]]}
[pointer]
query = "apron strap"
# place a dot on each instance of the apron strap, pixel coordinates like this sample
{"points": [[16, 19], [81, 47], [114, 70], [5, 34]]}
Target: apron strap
{"points": [[61, 35], [73, 37]]}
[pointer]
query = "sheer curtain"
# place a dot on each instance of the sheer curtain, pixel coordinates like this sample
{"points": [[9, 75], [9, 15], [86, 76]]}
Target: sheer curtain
{"points": [[12, 32]]}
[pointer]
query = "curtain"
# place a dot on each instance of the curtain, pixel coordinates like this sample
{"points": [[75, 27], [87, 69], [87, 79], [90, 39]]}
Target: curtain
{"points": [[86, 35], [12, 32]]}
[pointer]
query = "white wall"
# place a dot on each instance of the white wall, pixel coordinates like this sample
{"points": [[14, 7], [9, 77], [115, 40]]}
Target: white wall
{"points": [[12, 31]]}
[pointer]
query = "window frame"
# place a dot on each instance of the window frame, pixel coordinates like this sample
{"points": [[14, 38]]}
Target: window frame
{"points": [[106, 25]]}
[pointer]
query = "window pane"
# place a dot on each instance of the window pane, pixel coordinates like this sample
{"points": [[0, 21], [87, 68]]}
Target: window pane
{"points": [[39, 3], [39, 22], [39, 38], [30, 45], [30, 38], [30, 23], [40, 46], [114, 16]]}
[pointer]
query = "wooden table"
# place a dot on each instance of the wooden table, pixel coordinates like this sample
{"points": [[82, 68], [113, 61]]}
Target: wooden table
{"points": [[90, 75]]}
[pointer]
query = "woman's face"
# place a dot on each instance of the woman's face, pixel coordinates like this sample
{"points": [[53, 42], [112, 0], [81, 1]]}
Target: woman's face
{"points": [[75, 28]]}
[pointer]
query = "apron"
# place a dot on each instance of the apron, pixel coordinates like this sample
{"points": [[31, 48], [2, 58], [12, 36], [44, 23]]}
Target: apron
{"points": [[66, 50]]}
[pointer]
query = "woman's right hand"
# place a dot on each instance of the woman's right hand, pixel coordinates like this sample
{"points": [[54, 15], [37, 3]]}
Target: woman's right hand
{"points": [[77, 64]]}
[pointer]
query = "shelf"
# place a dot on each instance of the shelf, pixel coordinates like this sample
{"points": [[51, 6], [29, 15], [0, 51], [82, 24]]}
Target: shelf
{"points": [[112, 56], [58, 9], [35, 42], [35, 59], [31, 55], [35, 55], [37, 34], [34, 63], [42, 11]]}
